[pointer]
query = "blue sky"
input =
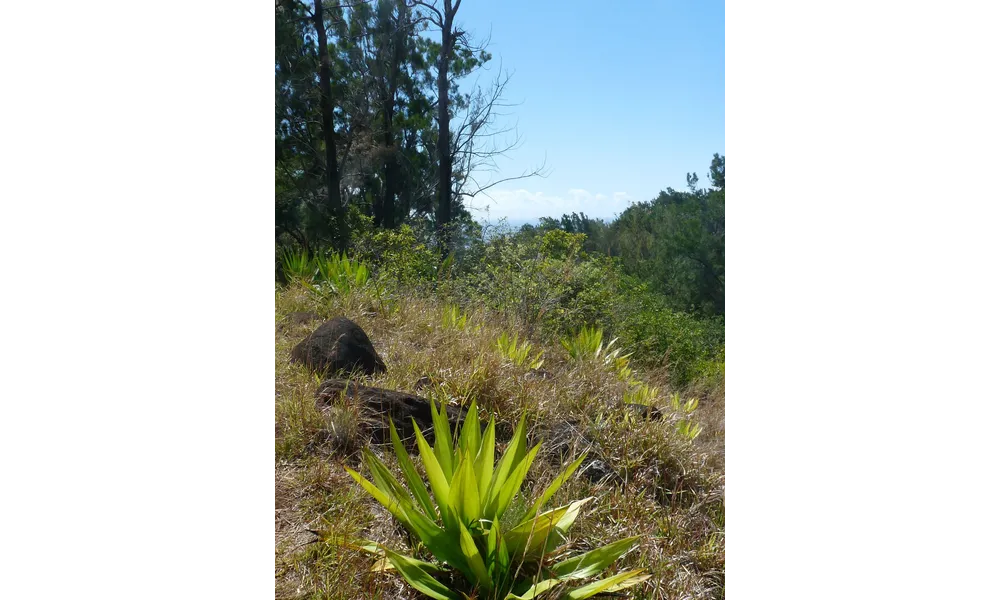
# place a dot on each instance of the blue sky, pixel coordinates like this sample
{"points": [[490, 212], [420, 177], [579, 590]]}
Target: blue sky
{"points": [[621, 99]]}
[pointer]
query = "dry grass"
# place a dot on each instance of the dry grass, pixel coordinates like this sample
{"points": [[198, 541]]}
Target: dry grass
{"points": [[668, 489]]}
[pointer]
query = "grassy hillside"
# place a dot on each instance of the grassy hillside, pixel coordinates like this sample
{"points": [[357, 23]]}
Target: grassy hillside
{"points": [[657, 482]]}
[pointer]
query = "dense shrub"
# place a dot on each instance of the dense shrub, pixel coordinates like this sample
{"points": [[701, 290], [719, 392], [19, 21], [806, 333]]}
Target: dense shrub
{"points": [[548, 286], [397, 255]]}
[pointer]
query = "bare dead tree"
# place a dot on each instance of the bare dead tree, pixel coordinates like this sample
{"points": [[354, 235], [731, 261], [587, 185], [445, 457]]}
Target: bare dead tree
{"points": [[476, 144], [479, 141]]}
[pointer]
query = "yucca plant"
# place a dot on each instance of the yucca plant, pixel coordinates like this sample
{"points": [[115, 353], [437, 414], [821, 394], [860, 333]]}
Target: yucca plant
{"points": [[688, 407], [297, 265], [444, 269], [686, 428], [341, 273], [641, 394], [453, 318], [461, 525], [588, 343], [518, 354], [623, 371]]}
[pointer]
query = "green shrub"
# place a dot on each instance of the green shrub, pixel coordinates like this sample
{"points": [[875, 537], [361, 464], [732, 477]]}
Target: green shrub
{"points": [[658, 335], [396, 255], [546, 286], [562, 245], [542, 283]]}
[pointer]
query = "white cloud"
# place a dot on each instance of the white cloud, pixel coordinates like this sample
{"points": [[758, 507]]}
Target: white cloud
{"points": [[524, 205]]}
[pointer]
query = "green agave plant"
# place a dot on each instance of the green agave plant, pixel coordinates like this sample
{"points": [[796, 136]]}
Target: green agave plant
{"points": [[588, 343], [686, 428], [641, 394], [297, 265], [342, 274], [518, 354], [461, 526], [453, 318]]}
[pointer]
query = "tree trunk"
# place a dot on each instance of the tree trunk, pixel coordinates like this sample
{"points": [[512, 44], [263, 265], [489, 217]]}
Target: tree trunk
{"points": [[389, 161], [406, 180], [334, 204], [396, 32], [444, 134], [274, 152]]}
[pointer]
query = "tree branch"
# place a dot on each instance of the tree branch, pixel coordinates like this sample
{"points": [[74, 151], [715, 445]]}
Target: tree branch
{"points": [[536, 172], [439, 21]]}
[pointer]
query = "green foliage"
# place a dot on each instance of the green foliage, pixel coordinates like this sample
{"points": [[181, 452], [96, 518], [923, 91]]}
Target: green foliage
{"points": [[518, 354], [594, 230], [546, 284], [445, 269], [397, 255], [561, 245], [711, 370], [688, 407], [623, 370], [688, 429], [334, 274], [659, 335], [462, 526], [677, 242]]}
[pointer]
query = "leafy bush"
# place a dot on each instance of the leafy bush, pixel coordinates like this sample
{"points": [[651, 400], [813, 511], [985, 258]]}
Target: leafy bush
{"points": [[509, 282], [463, 526], [396, 254], [562, 245], [658, 335]]}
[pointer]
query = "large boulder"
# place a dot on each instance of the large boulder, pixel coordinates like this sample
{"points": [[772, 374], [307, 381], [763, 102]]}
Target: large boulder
{"points": [[378, 405], [338, 346]]}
